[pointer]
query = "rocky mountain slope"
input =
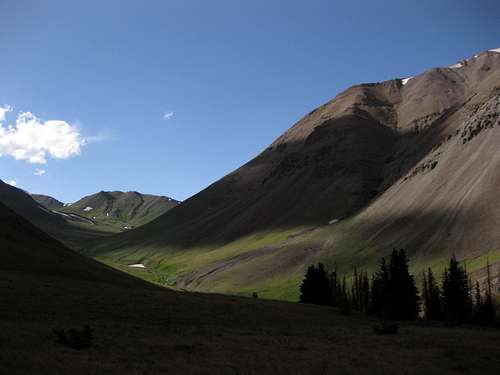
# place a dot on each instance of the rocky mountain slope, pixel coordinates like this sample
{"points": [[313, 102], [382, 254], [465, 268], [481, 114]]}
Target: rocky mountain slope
{"points": [[123, 210], [47, 201], [73, 230], [76, 225], [408, 162]]}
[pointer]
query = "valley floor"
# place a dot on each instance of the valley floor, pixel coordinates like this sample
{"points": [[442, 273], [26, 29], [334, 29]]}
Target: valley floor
{"points": [[148, 330]]}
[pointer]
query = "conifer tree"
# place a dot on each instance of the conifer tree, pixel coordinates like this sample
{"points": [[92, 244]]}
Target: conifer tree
{"points": [[456, 293], [433, 309], [366, 293], [404, 298], [477, 308], [334, 286], [344, 301], [489, 316], [380, 291], [315, 287]]}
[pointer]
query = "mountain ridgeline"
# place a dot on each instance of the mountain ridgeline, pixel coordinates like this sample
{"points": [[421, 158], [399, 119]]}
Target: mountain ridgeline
{"points": [[89, 219], [121, 210], [412, 163]]}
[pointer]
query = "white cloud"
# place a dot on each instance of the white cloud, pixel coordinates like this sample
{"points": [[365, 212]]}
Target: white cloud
{"points": [[34, 140], [3, 111], [11, 182], [168, 115], [39, 172]]}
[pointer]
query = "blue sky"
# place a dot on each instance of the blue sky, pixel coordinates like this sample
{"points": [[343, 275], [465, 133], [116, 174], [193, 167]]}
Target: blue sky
{"points": [[233, 74]]}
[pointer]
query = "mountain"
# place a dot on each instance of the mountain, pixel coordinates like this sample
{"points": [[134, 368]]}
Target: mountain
{"points": [[90, 218], [123, 210], [410, 163], [47, 202], [71, 229]]}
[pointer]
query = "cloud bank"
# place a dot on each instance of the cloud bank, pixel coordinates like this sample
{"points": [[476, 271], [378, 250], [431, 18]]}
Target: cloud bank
{"points": [[34, 140]]}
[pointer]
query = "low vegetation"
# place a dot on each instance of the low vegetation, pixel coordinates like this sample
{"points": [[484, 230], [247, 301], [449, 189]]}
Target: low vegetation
{"points": [[74, 338]]}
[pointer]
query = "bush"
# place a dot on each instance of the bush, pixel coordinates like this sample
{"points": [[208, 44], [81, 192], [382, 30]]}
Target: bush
{"points": [[386, 328], [255, 295], [75, 339]]}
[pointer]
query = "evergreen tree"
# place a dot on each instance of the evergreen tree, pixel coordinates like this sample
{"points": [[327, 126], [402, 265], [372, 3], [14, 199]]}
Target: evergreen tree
{"points": [[456, 293], [477, 308], [489, 315], [404, 300], [315, 287], [433, 309], [334, 286], [366, 293], [344, 300], [380, 291]]}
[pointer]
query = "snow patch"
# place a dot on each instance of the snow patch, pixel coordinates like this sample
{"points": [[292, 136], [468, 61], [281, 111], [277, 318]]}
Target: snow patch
{"points": [[138, 265], [88, 208], [67, 204], [107, 214], [333, 221], [497, 50], [456, 66], [404, 81]]}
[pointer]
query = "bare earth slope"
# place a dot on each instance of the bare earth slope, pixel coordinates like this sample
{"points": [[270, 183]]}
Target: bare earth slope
{"points": [[412, 163]]}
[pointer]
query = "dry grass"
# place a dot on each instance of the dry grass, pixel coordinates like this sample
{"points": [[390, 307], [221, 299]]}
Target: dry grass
{"points": [[148, 331]]}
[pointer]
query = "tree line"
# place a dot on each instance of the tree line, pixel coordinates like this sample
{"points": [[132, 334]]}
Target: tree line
{"points": [[392, 292]]}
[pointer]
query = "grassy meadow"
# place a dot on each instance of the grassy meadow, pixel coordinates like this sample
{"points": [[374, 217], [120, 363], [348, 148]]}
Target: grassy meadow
{"points": [[144, 330]]}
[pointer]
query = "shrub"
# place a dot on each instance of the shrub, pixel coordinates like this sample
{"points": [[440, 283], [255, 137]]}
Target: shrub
{"points": [[75, 339], [255, 295], [385, 328]]}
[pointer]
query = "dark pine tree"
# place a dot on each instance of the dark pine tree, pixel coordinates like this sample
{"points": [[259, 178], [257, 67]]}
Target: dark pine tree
{"points": [[489, 314], [433, 306], [315, 287], [404, 300], [344, 300], [477, 308], [366, 293], [456, 293], [334, 286], [380, 291]]}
